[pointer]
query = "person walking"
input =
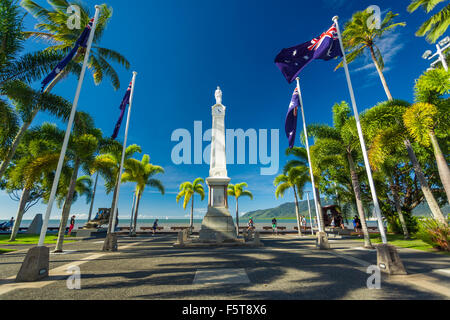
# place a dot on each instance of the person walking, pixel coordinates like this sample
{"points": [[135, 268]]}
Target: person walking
{"points": [[72, 225], [274, 226], [155, 226]]}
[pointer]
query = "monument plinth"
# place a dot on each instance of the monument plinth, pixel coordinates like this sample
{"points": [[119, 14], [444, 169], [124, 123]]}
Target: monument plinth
{"points": [[218, 221]]}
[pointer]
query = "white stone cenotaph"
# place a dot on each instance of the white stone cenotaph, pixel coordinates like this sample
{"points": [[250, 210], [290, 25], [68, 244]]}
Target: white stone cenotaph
{"points": [[218, 219]]}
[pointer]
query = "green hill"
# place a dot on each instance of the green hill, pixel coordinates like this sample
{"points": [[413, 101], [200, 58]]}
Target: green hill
{"points": [[287, 210]]}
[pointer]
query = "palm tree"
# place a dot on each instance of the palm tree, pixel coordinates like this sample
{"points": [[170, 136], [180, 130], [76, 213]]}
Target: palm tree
{"points": [[142, 172], [436, 26], [107, 164], [39, 156], [85, 139], [421, 120], [336, 146], [52, 27], [302, 160], [295, 178], [358, 36], [238, 191], [388, 115], [188, 190]]}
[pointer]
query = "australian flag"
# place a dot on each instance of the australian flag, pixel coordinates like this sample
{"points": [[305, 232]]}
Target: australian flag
{"points": [[81, 42], [292, 60], [291, 119], [123, 106]]}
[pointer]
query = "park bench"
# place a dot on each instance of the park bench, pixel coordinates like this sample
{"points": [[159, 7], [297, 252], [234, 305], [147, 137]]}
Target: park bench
{"points": [[307, 228], [151, 228], [279, 228], [179, 228], [124, 229]]}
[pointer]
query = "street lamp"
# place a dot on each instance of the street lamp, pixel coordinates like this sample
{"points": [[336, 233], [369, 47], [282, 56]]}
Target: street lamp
{"points": [[441, 46]]}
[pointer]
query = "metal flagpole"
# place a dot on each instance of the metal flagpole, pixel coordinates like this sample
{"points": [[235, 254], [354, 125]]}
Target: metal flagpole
{"points": [[309, 210], [309, 155], [114, 209], [361, 139], [68, 131]]}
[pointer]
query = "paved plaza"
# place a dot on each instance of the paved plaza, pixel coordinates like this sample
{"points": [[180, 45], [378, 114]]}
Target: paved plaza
{"points": [[285, 268]]}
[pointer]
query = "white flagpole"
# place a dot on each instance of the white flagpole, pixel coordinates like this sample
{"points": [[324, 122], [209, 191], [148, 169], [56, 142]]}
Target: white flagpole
{"points": [[361, 139], [309, 210], [114, 210], [309, 155], [68, 131]]}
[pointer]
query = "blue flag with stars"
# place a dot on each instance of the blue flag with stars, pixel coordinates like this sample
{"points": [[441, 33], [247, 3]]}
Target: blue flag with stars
{"points": [[291, 118], [292, 60], [81, 42]]}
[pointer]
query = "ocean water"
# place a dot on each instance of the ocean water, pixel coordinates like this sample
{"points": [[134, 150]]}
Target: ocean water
{"points": [[185, 222]]}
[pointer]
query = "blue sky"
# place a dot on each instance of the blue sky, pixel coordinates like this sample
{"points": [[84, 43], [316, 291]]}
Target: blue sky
{"points": [[182, 50]]}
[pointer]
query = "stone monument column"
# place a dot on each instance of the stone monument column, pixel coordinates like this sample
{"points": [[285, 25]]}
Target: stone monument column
{"points": [[218, 219]]}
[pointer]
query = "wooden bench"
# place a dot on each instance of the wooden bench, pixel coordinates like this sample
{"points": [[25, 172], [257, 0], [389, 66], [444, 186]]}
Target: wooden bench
{"points": [[179, 228], [124, 229], [151, 228], [303, 229], [279, 228]]}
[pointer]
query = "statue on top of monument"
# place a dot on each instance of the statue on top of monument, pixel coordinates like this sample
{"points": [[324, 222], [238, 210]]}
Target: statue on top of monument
{"points": [[218, 96]]}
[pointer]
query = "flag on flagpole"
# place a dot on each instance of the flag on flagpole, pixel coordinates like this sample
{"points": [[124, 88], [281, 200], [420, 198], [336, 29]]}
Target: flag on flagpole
{"points": [[123, 106], [292, 60], [81, 42], [291, 118]]}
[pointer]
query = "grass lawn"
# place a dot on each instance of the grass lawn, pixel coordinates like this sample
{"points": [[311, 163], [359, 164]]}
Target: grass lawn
{"points": [[30, 239], [6, 250], [398, 241]]}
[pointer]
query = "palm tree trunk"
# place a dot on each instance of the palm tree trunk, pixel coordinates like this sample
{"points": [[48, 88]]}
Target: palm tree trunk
{"points": [[432, 203], [297, 213], [136, 212], [93, 198], [12, 150], [320, 213], [110, 227], [67, 205], [398, 207], [380, 73], [20, 211], [359, 204], [237, 217], [444, 172], [191, 224]]}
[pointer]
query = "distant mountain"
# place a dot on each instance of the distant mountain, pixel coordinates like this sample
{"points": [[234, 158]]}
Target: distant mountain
{"points": [[287, 210]]}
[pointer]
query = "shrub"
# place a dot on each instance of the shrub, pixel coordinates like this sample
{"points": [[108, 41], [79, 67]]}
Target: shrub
{"points": [[434, 233], [394, 225]]}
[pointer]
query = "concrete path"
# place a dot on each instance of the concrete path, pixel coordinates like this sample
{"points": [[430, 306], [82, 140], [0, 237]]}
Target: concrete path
{"points": [[285, 268]]}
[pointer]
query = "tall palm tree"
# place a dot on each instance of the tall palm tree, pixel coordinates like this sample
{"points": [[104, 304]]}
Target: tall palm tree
{"points": [[52, 26], [107, 164], [388, 115], [188, 190], [142, 172], [421, 120], [238, 191], [302, 160], [339, 145], [85, 139], [294, 178], [358, 36], [39, 156], [436, 26]]}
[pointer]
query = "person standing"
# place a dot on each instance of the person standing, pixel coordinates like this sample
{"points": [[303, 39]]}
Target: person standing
{"points": [[304, 223], [72, 225], [274, 226], [155, 226]]}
